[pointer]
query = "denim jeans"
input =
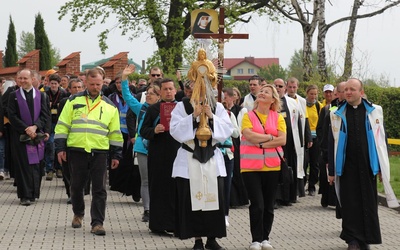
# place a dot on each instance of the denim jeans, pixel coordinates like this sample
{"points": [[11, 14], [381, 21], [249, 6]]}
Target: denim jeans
{"points": [[50, 160]]}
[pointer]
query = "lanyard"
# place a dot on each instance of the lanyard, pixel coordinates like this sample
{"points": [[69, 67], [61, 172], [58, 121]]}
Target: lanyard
{"points": [[56, 99], [95, 106]]}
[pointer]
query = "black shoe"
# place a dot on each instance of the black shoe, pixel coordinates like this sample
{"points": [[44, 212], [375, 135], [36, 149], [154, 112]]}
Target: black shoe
{"points": [[363, 245], [212, 244], [146, 216], [311, 192], [353, 245], [286, 203], [25, 202], [198, 245]]}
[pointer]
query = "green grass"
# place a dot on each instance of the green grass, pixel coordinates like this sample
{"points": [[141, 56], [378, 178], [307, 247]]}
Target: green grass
{"points": [[394, 176]]}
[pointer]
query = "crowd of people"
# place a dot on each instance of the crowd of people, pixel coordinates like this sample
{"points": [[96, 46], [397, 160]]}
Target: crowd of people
{"points": [[190, 158]]}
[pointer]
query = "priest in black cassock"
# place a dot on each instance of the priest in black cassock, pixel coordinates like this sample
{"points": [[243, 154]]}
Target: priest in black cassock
{"points": [[162, 152], [28, 111], [358, 156]]}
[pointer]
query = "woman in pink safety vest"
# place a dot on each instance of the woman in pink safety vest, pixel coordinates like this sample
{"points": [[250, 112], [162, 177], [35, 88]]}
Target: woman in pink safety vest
{"points": [[264, 132]]}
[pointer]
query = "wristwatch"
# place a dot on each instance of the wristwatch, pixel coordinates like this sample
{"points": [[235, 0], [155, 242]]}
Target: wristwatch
{"points": [[260, 144]]}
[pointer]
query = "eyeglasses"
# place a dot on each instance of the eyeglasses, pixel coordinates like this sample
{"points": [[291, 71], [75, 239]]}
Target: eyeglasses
{"points": [[155, 75], [150, 93], [279, 86]]}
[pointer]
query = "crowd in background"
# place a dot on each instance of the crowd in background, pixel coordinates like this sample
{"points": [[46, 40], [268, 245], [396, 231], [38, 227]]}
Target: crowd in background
{"points": [[267, 149]]}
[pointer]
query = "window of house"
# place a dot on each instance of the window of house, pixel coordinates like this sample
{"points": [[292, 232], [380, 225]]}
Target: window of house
{"points": [[250, 71], [240, 71]]}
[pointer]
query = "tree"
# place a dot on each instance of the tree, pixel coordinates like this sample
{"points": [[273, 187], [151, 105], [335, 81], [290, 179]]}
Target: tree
{"points": [[272, 72], [310, 14], [26, 43], [323, 30], [308, 19], [11, 57], [168, 22], [42, 43], [55, 55], [296, 68]]}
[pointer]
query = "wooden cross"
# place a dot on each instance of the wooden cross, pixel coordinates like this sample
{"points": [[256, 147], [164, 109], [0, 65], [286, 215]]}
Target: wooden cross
{"points": [[221, 36]]}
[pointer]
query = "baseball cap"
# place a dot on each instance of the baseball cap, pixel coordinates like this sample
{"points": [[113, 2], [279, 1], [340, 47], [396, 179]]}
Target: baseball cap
{"points": [[50, 72], [328, 87]]}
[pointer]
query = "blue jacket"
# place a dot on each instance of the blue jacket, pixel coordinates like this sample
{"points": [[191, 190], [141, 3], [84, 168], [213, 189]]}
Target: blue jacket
{"points": [[341, 134], [139, 109]]}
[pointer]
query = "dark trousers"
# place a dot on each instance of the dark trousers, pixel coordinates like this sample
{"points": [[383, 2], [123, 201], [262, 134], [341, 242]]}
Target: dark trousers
{"points": [[312, 160], [228, 182], [93, 166], [261, 188]]}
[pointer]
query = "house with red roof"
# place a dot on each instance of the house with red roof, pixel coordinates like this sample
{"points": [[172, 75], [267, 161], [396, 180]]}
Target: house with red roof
{"points": [[244, 68]]}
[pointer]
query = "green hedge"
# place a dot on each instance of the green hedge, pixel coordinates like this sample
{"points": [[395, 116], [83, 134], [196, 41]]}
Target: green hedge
{"points": [[388, 98]]}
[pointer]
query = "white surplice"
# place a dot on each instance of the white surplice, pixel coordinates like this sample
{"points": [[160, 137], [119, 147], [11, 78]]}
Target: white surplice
{"points": [[202, 176]]}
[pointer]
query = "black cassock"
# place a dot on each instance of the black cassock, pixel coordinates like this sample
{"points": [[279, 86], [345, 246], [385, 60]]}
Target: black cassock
{"points": [[358, 189], [28, 176], [239, 195], [162, 187]]}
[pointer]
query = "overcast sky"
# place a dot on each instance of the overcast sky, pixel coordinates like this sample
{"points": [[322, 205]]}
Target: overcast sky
{"points": [[376, 43]]}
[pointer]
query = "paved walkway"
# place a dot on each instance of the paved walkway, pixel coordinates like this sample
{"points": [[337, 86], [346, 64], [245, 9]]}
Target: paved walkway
{"points": [[47, 225]]}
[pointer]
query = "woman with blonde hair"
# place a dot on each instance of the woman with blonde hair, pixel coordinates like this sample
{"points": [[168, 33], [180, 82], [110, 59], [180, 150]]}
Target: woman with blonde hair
{"points": [[264, 132], [237, 96]]}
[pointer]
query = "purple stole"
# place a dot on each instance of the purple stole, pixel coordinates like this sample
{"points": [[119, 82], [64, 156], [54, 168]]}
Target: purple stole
{"points": [[34, 153]]}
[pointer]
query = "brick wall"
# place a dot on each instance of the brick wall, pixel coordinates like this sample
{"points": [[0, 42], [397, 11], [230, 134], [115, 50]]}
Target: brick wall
{"points": [[115, 65], [32, 61], [70, 64]]}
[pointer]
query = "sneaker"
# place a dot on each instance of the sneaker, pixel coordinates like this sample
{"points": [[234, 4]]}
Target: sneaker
{"points": [[7, 176], [1, 176], [98, 230], [212, 244], [227, 221], [146, 216], [59, 173], [255, 246], [198, 245], [49, 176], [266, 245], [77, 221]]}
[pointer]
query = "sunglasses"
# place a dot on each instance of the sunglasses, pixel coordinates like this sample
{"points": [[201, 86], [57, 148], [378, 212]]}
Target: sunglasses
{"points": [[279, 86], [155, 75]]}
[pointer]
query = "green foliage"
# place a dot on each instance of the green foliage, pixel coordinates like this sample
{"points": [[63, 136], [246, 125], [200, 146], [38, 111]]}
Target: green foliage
{"points": [[54, 55], [168, 22], [11, 56], [26, 43], [394, 176], [243, 86], [296, 68], [42, 43], [272, 72], [388, 98]]}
